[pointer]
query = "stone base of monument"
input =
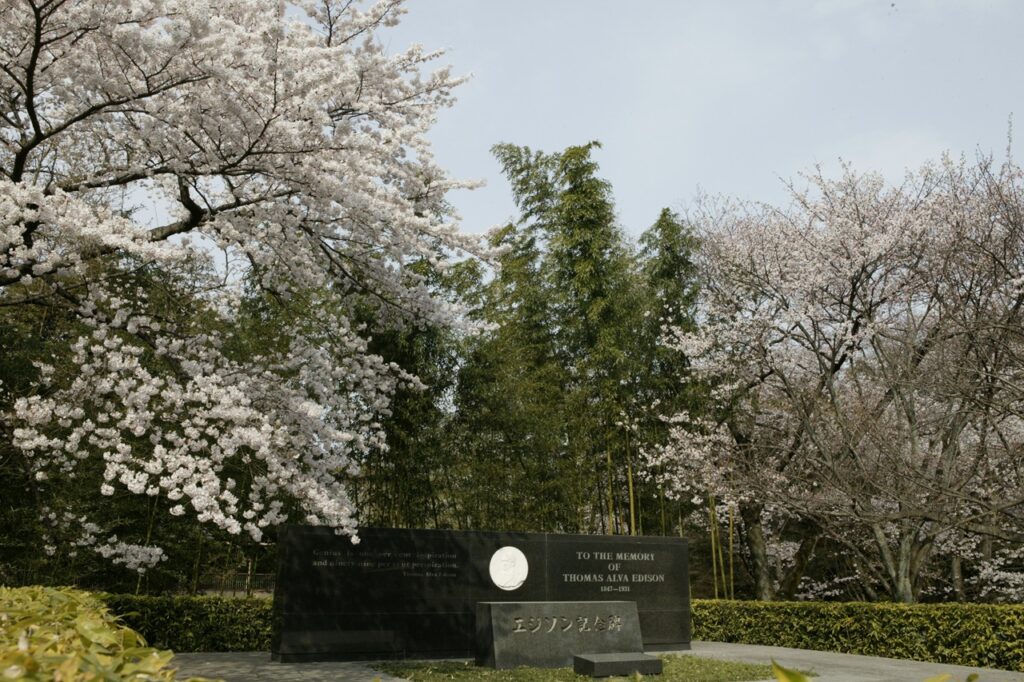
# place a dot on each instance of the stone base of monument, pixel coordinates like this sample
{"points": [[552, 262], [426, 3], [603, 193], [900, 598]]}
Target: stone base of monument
{"points": [[606, 665], [547, 634]]}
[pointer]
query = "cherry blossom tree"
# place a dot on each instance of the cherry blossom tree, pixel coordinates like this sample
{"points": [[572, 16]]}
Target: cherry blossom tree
{"points": [[149, 135], [864, 348]]}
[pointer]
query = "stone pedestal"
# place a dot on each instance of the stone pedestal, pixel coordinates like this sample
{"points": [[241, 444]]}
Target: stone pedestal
{"points": [[549, 634]]}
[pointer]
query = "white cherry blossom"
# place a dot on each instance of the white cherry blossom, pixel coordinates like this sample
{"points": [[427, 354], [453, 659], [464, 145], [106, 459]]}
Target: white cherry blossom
{"points": [[155, 133]]}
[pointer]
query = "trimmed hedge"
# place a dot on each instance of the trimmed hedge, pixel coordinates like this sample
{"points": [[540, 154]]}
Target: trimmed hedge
{"points": [[49, 633], [986, 635], [186, 623], [962, 634]]}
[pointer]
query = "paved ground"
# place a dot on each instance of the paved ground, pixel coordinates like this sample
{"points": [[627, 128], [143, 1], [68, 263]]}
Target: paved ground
{"points": [[848, 667], [257, 667]]}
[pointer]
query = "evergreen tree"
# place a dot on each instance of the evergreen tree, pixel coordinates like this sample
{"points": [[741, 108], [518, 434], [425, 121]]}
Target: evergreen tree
{"points": [[551, 377]]}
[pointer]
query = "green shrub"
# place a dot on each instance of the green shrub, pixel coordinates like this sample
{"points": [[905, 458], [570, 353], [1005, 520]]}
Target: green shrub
{"points": [[63, 634], [185, 623], [962, 634]]}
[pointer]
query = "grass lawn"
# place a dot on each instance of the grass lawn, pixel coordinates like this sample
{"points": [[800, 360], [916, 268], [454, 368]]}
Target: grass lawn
{"points": [[677, 669]]}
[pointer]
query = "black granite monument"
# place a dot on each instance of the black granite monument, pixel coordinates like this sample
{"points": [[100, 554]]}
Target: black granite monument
{"points": [[414, 593]]}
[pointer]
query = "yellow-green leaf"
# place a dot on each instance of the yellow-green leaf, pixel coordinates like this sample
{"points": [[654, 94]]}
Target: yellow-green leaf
{"points": [[787, 675]]}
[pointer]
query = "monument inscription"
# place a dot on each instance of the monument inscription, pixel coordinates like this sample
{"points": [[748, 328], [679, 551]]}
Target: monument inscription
{"points": [[548, 634], [414, 592]]}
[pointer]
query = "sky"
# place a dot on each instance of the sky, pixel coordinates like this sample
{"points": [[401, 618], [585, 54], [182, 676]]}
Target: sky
{"points": [[725, 97]]}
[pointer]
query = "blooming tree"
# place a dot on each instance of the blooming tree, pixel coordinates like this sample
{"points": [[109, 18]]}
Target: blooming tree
{"points": [[146, 135], [864, 346]]}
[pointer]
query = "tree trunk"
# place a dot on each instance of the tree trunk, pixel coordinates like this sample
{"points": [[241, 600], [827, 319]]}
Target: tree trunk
{"points": [[249, 570], [901, 567], [197, 565], [903, 590], [754, 531], [957, 575], [787, 590]]}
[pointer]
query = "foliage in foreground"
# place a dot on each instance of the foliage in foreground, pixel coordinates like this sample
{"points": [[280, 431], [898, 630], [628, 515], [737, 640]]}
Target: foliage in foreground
{"points": [[688, 668], [982, 635], [62, 634]]}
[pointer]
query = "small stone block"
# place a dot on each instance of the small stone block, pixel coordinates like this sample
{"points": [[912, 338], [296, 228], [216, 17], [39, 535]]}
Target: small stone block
{"points": [[606, 665]]}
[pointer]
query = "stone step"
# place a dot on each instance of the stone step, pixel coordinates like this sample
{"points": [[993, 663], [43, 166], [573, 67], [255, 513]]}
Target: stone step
{"points": [[606, 665]]}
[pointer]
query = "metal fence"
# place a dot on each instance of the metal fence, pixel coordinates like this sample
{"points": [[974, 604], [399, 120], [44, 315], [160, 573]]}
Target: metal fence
{"points": [[237, 584]]}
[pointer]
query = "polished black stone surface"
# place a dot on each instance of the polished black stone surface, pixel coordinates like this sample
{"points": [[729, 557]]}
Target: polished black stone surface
{"points": [[547, 634], [405, 593], [606, 665]]}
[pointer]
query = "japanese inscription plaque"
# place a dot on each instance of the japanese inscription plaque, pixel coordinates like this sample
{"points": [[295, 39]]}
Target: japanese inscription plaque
{"points": [[547, 634], [413, 593]]}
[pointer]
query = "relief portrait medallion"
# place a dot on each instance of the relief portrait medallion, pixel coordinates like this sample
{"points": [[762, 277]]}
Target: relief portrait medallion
{"points": [[509, 568]]}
